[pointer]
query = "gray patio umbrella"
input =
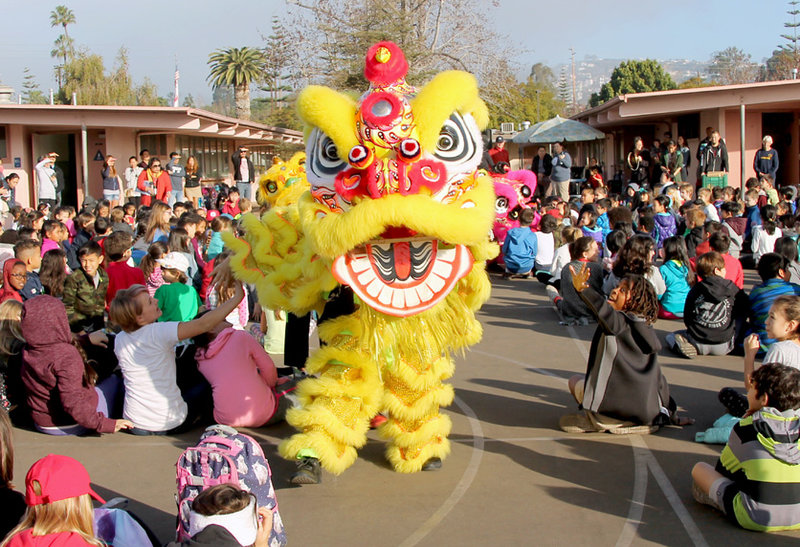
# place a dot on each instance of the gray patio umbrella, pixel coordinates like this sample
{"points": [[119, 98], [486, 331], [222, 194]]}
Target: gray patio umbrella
{"points": [[558, 129]]}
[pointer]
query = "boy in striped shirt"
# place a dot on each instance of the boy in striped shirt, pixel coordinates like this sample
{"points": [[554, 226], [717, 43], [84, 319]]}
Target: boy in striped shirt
{"points": [[756, 482]]}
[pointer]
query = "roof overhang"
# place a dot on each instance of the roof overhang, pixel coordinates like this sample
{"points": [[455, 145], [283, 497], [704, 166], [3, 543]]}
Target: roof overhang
{"points": [[146, 119]]}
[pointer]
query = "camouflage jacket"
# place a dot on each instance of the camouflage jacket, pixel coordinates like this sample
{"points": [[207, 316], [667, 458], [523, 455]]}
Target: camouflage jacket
{"points": [[85, 304]]}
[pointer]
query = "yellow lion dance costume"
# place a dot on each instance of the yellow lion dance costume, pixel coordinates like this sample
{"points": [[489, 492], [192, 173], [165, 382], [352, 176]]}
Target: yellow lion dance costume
{"points": [[284, 182], [398, 212]]}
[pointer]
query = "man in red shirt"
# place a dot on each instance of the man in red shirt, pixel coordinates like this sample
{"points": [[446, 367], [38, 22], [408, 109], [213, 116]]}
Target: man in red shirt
{"points": [[499, 153], [120, 275]]}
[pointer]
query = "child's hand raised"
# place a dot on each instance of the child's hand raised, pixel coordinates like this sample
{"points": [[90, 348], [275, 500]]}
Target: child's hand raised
{"points": [[580, 279], [751, 345]]}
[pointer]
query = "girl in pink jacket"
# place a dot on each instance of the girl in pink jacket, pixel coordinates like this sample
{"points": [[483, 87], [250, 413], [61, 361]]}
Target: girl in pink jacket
{"points": [[242, 376]]}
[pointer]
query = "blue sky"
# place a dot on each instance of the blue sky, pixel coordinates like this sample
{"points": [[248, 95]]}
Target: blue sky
{"points": [[156, 31]]}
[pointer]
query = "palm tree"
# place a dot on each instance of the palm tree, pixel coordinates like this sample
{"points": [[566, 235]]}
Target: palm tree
{"points": [[63, 16], [237, 67], [62, 47]]}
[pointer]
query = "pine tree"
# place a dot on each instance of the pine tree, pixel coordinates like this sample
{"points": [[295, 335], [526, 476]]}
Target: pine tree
{"points": [[791, 36], [563, 86], [277, 58], [31, 94]]}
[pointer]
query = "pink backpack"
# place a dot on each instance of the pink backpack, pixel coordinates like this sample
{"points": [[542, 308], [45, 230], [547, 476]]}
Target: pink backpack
{"points": [[224, 456]]}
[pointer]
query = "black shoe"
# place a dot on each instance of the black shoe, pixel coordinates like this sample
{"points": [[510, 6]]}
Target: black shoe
{"points": [[432, 464], [308, 472], [734, 402]]}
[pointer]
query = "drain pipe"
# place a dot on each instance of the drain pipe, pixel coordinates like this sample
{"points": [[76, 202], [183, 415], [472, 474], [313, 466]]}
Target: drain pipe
{"points": [[85, 155], [742, 147]]}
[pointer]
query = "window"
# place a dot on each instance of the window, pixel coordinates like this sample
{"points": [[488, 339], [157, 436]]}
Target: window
{"points": [[3, 142], [262, 158], [688, 126], [156, 144], [213, 155]]}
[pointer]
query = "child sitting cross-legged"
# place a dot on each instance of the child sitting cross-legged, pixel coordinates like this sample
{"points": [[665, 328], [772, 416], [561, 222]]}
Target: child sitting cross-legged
{"points": [[120, 274], [756, 481], [710, 312], [582, 251], [176, 300], [146, 353], [678, 278], [623, 391], [520, 246], [85, 291], [773, 271]]}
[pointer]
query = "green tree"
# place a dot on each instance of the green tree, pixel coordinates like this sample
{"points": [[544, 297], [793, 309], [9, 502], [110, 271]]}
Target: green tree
{"points": [[563, 86], [63, 16], [633, 77], [793, 46], [543, 74], [779, 66], [237, 67], [31, 94], [732, 66], [63, 47], [331, 38], [188, 101], [695, 81], [222, 101], [277, 59], [528, 101]]}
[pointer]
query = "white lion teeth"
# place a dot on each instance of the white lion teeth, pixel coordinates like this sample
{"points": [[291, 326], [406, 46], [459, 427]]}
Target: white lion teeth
{"points": [[359, 264], [435, 283], [412, 299], [385, 297], [446, 255], [424, 292], [442, 268], [365, 277], [398, 299], [374, 288]]}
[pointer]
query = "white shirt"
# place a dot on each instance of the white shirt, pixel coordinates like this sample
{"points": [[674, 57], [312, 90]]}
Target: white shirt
{"points": [[786, 353], [545, 250], [764, 243], [711, 212], [147, 360], [244, 170], [44, 174], [560, 259], [131, 178]]}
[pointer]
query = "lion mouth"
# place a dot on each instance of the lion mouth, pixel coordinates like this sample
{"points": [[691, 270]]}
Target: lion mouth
{"points": [[403, 277]]}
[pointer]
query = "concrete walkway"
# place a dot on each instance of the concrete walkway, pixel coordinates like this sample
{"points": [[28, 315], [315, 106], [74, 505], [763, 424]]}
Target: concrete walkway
{"points": [[513, 477]]}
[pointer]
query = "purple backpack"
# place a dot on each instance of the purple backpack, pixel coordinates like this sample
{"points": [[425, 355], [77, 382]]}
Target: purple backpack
{"points": [[224, 456]]}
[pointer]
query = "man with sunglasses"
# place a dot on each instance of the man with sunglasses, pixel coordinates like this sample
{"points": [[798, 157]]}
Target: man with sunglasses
{"points": [[154, 183]]}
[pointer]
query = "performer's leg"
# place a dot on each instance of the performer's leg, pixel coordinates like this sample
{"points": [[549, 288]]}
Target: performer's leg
{"points": [[335, 408], [413, 393]]}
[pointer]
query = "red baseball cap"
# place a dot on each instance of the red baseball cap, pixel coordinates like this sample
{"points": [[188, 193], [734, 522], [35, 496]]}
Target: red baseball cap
{"points": [[59, 478], [211, 214]]}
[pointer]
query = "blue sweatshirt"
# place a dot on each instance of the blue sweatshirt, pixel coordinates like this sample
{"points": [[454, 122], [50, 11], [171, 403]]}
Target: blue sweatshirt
{"points": [[519, 250]]}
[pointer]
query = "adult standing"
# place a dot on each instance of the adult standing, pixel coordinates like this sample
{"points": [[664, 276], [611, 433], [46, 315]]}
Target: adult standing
{"points": [[683, 147], [154, 183], [192, 187], [715, 155], [8, 191], [177, 174], [112, 184], [766, 160], [145, 156], [637, 162], [131, 175], [59, 177], [542, 166], [656, 161], [243, 172], [673, 163], [560, 174], [46, 177], [700, 150], [499, 155]]}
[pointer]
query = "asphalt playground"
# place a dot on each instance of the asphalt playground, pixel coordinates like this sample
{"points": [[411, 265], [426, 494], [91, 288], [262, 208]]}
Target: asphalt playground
{"points": [[513, 477]]}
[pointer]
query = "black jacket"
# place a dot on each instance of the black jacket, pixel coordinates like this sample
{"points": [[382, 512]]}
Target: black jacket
{"points": [[237, 175], [548, 164], [623, 377], [694, 238], [711, 308], [715, 158], [212, 536]]}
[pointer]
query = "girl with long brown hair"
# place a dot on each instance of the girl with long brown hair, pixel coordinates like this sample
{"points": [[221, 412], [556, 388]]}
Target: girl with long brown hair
{"points": [[112, 183]]}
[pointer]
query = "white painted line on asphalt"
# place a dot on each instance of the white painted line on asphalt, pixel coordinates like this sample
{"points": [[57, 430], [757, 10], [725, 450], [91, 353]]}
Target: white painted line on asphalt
{"points": [[513, 439], [670, 493], [463, 485], [521, 363], [636, 508]]}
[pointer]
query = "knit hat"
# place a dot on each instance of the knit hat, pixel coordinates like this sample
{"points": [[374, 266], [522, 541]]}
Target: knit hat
{"points": [[174, 261], [59, 478]]}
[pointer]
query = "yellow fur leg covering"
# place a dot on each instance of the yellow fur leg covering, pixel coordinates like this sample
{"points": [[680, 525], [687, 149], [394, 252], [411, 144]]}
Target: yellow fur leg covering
{"points": [[413, 393], [335, 408]]}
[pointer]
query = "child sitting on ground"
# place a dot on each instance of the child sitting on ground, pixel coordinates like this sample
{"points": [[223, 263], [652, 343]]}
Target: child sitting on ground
{"points": [[85, 291], [242, 377], [222, 290], [678, 278], [765, 235], [756, 479], [734, 224], [519, 248], [772, 268], [29, 252], [215, 246], [545, 246], [176, 300], [666, 226], [59, 499], [706, 196], [710, 312], [588, 225], [151, 268], [561, 257], [120, 274], [231, 206], [751, 212], [622, 391], [146, 353], [573, 309], [695, 225]]}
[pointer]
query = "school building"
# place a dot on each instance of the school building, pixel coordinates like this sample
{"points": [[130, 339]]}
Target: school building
{"points": [[83, 136], [743, 114]]}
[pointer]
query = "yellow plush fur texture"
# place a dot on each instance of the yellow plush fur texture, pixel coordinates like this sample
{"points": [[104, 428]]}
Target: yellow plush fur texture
{"points": [[335, 234], [279, 173], [448, 92], [333, 112], [275, 256]]}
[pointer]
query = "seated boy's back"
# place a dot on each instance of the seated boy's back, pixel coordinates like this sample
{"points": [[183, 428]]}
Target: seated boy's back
{"points": [[520, 246], [120, 274]]}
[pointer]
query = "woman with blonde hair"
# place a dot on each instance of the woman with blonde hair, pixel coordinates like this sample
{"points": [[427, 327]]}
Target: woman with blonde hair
{"points": [[112, 183], [60, 511], [191, 188], [158, 223], [12, 392]]}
